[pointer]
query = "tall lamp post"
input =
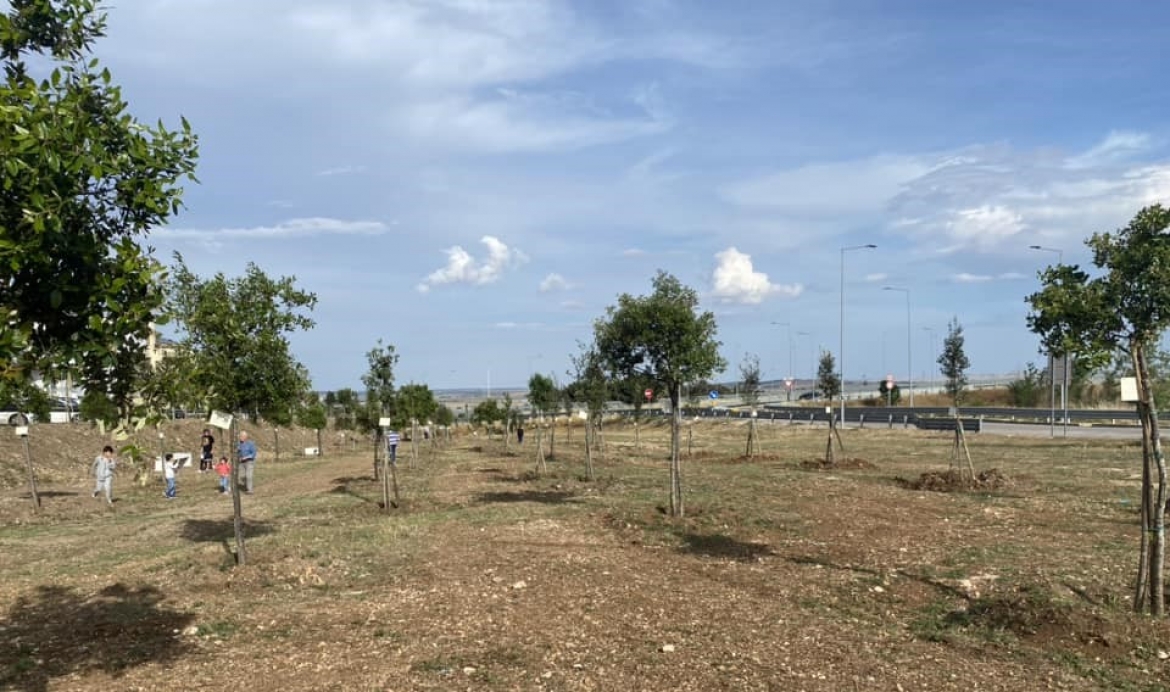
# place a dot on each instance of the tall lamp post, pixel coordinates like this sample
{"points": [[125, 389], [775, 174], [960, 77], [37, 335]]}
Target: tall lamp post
{"points": [[788, 327], [1052, 364], [933, 355], [909, 358], [841, 345]]}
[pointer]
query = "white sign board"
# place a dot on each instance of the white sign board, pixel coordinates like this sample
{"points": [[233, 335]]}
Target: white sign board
{"points": [[1129, 390], [583, 415], [220, 420], [183, 458], [22, 431], [312, 452], [384, 422]]}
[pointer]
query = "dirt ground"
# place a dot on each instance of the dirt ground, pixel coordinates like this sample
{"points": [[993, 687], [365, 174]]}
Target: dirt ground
{"points": [[491, 578]]}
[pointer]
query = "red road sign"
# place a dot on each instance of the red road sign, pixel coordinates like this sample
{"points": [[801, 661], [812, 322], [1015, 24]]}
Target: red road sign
{"points": [[788, 383], [649, 394], [889, 381]]}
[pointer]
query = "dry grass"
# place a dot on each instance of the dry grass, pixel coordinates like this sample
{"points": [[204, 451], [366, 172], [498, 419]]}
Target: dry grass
{"points": [[492, 578]]}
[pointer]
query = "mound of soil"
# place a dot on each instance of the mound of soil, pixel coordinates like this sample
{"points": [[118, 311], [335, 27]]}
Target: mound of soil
{"points": [[844, 464], [952, 481]]}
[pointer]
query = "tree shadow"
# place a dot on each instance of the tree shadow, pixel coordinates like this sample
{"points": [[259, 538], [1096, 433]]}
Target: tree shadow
{"points": [[920, 578], [723, 546], [58, 632], [222, 530], [51, 493], [545, 497], [344, 489]]}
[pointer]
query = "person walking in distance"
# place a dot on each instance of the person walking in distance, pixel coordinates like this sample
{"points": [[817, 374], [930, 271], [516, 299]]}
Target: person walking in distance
{"points": [[206, 444], [391, 446], [247, 450], [103, 473]]}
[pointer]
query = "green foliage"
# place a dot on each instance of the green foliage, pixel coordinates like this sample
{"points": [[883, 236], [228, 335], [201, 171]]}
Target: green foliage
{"points": [[1127, 306], [661, 336], [81, 182], [590, 386], [167, 386], [379, 382], [543, 394], [1028, 390], [953, 362], [234, 331], [96, 407], [312, 414], [488, 412], [828, 382], [344, 408], [25, 397], [414, 401], [749, 379], [444, 416], [888, 394]]}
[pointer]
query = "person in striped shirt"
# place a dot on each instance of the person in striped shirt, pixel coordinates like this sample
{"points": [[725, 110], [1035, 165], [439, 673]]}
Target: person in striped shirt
{"points": [[392, 445]]}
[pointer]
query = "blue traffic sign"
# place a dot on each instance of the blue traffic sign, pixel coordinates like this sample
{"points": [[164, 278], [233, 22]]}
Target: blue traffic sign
{"points": [[714, 394]]}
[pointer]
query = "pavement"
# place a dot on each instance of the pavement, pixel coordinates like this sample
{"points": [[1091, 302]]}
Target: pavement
{"points": [[1074, 431]]}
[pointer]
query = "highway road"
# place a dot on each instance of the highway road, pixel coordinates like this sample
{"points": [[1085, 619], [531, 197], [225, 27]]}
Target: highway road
{"points": [[1074, 431]]}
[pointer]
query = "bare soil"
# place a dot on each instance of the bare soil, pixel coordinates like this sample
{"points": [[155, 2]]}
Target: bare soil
{"points": [[952, 480], [492, 577]]}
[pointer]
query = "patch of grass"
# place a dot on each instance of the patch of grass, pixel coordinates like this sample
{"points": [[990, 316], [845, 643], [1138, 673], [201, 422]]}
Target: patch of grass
{"points": [[220, 629]]}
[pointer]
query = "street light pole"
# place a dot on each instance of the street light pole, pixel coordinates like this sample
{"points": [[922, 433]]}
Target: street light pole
{"points": [[841, 344], [812, 360], [933, 356], [1052, 364], [909, 358]]}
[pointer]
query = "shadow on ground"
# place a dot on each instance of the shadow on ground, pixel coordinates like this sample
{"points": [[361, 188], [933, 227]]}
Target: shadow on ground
{"points": [[722, 546], [221, 530], [57, 632], [545, 497]]}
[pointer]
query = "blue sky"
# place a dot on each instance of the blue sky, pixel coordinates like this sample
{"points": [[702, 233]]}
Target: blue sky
{"points": [[474, 181]]}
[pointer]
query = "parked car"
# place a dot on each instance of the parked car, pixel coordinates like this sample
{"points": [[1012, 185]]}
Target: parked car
{"points": [[809, 396]]}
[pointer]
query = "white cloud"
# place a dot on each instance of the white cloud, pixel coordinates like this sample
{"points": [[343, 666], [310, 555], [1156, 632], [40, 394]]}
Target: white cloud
{"points": [[463, 268], [554, 282], [736, 281], [341, 170], [966, 278], [518, 325], [633, 252], [873, 278], [293, 228]]}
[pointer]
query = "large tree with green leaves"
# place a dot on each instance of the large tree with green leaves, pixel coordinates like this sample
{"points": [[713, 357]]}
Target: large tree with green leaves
{"points": [[1126, 308], [379, 382], [665, 337], [82, 183], [235, 330]]}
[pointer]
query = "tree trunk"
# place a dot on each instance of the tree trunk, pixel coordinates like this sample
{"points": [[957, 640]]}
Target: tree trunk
{"points": [[540, 467], [276, 444], [393, 466], [320, 449], [676, 499], [830, 458], [552, 438], [1155, 506], [413, 442], [588, 450], [237, 505], [32, 477], [637, 439], [1143, 576]]}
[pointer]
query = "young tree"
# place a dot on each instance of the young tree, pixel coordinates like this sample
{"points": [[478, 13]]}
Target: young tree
{"points": [[344, 408], [235, 332], [1125, 308], [83, 182], [379, 382], [664, 337], [828, 383], [312, 414], [953, 363], [749, 391], [1026, 391], [414, 404], [545, 399], [590, 388]]}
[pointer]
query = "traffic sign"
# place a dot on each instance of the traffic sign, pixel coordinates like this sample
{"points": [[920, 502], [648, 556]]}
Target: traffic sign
{"points": [[649, 394], [889, 381], [713, 394], [788, 383]]}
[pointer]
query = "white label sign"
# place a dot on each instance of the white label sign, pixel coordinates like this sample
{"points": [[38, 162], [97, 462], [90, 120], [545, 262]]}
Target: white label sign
{"points": [[384, 422], [1129, 390], [220, 420]]}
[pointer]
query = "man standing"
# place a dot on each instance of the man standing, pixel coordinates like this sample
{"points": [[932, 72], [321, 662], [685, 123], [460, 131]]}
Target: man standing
{"points": [[103, 473], [247, 450]]}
